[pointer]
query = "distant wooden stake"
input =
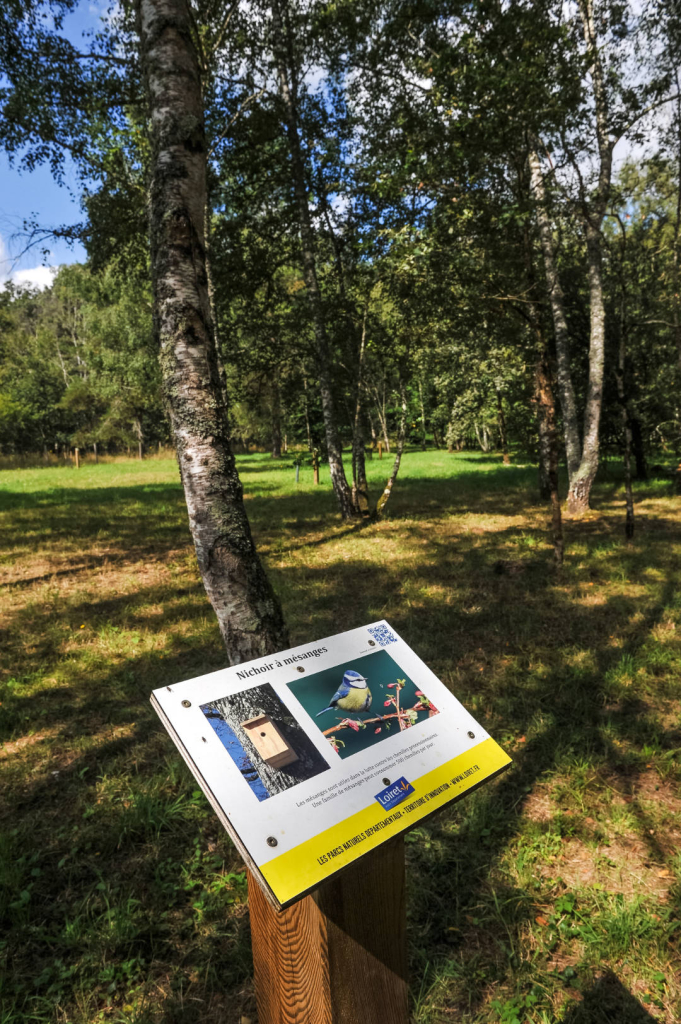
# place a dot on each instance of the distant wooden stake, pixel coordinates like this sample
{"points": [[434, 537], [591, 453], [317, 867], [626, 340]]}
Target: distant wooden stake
{"points": [[380, 449], [315, 465], [338, 956], [77, 458]]}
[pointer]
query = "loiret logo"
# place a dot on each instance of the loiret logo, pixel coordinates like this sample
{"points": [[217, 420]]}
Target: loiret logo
{"points": [[394, 793]]}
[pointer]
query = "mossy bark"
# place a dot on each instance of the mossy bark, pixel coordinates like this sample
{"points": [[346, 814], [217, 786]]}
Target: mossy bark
{"points": [[248, 612]]}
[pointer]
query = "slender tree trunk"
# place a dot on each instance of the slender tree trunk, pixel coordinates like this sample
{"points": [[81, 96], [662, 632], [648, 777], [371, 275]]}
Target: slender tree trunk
{"points": [[423, 418], [372, 427], [276, 417], [482, 436], [360, 489], [288, 85], [566, 391], [307, 415], [626, 426], [247, 610], [620, 375], [544, 403], [382, 418], [582, 481], [502, 428], [137, 423], [638, 448], [594, 211], [94, 449], [548, 442], [436, 437], [676, 279], [387, 490]]}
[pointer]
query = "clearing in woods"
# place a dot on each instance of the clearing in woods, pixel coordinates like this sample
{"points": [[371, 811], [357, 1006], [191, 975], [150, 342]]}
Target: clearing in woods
{"points": [[552, 895]]}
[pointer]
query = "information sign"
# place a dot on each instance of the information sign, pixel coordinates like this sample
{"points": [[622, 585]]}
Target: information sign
{"points": [[315, 756]]}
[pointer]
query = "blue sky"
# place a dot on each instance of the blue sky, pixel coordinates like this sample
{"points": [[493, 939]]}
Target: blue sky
{"points": [[35, 195]]}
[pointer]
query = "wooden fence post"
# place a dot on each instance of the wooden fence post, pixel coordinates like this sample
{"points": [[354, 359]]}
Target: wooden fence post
{"points": [[338, 956], [77, 458], [380, 449]]}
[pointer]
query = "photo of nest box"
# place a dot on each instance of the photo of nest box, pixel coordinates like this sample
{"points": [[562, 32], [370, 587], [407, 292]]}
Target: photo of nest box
{"points": [[269, 742]]}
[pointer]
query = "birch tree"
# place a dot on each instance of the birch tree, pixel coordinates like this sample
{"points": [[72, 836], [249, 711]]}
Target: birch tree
{"points": [[288, 75], [247, 610]]}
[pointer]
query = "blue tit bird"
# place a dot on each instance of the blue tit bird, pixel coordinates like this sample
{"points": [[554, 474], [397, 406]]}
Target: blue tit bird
{"points": [[353, 694]]}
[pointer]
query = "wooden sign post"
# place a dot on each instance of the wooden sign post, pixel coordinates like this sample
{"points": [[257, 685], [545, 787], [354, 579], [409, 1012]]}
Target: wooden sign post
{"points": [[317, 761], [340, 955]]}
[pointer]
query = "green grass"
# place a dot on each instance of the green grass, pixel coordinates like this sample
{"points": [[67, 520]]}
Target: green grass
{"points": [[552, 895]]}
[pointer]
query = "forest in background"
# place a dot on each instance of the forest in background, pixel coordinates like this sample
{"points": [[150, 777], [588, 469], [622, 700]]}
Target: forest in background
{"points": [[424, 221]]}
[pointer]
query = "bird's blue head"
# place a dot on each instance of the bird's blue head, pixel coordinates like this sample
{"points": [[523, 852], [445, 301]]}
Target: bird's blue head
{"points": [[352, 678]]}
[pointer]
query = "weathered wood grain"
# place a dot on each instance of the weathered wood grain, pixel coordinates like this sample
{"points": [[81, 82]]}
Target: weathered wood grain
{"points": [[338, 956]]}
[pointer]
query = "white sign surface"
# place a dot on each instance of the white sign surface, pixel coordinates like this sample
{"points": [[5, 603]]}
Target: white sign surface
{"points": [[316, 755]]}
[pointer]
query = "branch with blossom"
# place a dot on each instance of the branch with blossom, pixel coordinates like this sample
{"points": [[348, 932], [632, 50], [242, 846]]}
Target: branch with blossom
{"points": [[406, 717]]}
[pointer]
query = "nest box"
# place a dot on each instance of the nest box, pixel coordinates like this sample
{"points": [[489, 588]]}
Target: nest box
{"points": [[269, 742]]}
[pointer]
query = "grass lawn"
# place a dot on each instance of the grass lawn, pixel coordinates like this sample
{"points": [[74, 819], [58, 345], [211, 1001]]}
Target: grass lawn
{"points": [[551, 895]]}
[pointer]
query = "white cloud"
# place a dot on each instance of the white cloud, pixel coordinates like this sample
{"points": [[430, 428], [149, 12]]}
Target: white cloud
{"points": [[29, 277], [34, 277]]}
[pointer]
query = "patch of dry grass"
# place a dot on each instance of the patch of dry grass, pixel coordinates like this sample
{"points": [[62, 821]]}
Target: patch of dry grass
{"points": [[121, 899]]}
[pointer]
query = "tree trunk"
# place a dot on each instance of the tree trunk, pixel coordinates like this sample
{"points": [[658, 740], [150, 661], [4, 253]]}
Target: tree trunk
{"points": [[566, 392], [548, 443], [582, 481], [307, 415], [360, 489], [638, 448], [262, 700], [94, 448], [502, 428], [276, 417], [483, 438], [423, 418], [247, 610], [372, 427], [288, 85], [626, 426], [620, 376], [382, 419], [387, 490], [593, 213]]}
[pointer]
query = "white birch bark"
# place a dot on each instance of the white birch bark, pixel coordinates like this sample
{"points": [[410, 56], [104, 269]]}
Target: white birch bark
{"points": [[247, 610]]}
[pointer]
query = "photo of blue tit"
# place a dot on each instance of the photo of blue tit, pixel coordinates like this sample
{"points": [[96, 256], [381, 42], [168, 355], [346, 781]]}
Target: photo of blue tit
{"points": [[353, 694]]}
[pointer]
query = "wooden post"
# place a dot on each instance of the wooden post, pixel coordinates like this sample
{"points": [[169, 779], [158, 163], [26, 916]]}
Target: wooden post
{"points": [[315, 465], [338, 956], [380, 449], [297, 472], [77, 458]]}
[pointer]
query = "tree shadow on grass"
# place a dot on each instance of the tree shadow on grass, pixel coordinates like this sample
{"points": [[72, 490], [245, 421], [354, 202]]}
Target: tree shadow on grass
{"points": [[608, 1002], [442, 595]]}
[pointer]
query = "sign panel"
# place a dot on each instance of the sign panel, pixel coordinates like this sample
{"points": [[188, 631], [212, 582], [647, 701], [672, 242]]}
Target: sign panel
{"points": [[315, 756]]}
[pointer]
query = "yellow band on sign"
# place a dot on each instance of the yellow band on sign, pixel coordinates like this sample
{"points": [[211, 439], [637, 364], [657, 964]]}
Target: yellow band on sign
{"points": [[308, 864]]}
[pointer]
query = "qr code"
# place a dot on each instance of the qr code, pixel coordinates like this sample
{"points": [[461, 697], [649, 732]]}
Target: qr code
{"points": [[383, 635]]}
